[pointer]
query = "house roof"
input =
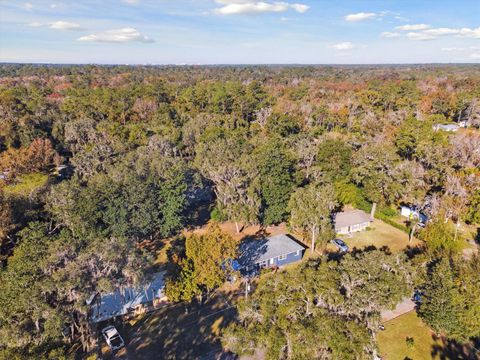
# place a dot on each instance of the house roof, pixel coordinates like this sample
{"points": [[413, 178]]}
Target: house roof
{"points": [[254, 251], [351, 217], [123, 301], [447, 127]]}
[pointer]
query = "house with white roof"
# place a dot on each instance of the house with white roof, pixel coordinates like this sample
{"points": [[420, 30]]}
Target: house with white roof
{"points": [[350, 221], [128, 300]]}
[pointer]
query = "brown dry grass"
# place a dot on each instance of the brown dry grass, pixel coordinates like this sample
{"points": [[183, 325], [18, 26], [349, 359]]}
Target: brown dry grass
{"points": [[380, 235]]}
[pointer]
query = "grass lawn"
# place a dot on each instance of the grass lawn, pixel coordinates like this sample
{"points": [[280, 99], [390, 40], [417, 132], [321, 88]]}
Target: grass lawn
{"points": [[393, 345], [26, 184], [172, 333], [380, 235], [392, 342]]}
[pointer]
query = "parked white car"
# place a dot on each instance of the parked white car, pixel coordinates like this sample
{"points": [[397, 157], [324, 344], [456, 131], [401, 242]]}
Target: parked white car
{"points": [[113, 338]]}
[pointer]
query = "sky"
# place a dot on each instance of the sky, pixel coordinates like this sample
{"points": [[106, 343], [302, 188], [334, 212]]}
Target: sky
{"points": [[240, 31]]}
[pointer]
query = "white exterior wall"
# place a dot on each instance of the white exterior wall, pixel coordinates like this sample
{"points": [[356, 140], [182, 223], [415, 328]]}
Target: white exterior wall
{"points": [[405, 211], [354, 228], [343, 231]]}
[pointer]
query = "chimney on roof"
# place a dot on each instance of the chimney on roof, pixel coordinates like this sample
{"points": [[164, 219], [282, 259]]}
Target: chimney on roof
{"points": [[372, 212]]}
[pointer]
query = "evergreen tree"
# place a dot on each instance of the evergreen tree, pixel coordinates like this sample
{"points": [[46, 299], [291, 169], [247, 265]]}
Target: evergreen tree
{"points": [[275, 181], [310, 210], [438, 307]]}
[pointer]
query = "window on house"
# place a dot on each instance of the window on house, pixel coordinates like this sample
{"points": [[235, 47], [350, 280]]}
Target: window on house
{"points": [[282, 257], [297, 252]]}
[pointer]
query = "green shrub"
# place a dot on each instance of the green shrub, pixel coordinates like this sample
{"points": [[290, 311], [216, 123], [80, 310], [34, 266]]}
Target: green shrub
{"points": [[390, 222], [217, 215], [410, 342], [387, 211]]}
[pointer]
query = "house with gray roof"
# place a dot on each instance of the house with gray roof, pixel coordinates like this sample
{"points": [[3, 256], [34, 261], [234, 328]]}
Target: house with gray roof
{"points": [[271, 251], [128, 300], [350, 221]]}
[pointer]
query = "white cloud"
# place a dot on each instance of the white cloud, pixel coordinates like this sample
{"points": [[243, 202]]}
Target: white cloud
{"points": [[434, 33], [64, 25], [401, 18], [58, 25], [420, 36], [425, 32], [35, 24], [28, 6], [247, 7], [388, 34], [346, 45], [475, 56], [472, 33], [441, 31], [117, 36], [451, 49], [300, 8], [361, 16], [413, 27], [131, 2]]}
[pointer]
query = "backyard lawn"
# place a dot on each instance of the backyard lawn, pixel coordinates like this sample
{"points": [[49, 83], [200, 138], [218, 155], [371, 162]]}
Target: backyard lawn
{"points": [[173, 333], [379, 235], [393, 344]]}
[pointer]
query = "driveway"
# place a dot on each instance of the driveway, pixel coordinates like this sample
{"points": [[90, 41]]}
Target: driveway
{"points": [[404, 307]]}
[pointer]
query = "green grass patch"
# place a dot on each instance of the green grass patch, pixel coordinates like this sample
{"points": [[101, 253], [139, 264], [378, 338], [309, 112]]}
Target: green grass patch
{"points": [[26, 184], [407, 337], [380, 234]]}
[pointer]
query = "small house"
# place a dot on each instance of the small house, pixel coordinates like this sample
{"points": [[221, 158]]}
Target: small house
{"points": [[350, 221], [273, 251], [128, 301], [412, 213], [447, 127]]}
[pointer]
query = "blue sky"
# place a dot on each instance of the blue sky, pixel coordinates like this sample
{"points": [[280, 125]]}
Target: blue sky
{"points": [[240, 31]]}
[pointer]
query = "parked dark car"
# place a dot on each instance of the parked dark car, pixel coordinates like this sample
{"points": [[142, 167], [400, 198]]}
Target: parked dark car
{"points": [[340, 244]]}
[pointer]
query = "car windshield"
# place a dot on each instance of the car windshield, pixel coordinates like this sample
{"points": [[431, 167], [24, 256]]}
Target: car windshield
{"points": [[116, 341], [340, 242]]}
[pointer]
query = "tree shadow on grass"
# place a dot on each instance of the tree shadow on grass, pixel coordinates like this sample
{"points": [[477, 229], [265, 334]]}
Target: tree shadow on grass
{"points": [[335, 255], [412, 251], [259, 235], [385, 249], [449, 350], [338, 255], [182, 332], [200, 216]]}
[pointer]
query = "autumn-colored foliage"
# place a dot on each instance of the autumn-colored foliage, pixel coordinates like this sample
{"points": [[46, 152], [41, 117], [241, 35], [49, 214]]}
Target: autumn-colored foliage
{"points": [[38, 157]]}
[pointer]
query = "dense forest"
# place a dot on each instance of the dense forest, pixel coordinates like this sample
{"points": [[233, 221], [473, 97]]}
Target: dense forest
{"points": [[99, 162]]}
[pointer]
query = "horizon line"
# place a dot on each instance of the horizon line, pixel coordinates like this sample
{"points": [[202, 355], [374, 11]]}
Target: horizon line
{"points": [[234, 64]]}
